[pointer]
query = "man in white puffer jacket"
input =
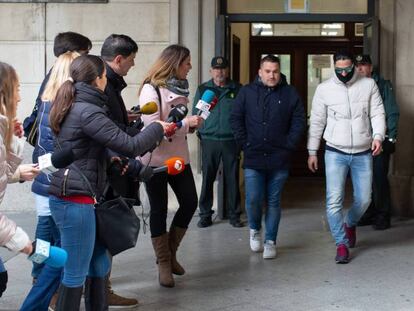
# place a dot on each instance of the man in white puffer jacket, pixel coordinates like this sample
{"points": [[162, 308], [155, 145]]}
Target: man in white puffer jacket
{"points": [[347, 109]]}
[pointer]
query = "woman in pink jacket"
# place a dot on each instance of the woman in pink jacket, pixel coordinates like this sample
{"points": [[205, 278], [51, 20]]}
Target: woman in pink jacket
{"points": [[166, 84], [11, 236]]}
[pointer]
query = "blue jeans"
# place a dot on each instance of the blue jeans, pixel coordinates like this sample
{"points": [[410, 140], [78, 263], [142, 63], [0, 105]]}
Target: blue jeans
{"points": [[258, 185], [337, 167], [77, 226], [46, 230], [41, 293]]}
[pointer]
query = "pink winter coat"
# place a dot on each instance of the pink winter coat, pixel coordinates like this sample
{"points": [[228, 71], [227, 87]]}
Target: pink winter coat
{"points": [[11, 236], [175, 146]]}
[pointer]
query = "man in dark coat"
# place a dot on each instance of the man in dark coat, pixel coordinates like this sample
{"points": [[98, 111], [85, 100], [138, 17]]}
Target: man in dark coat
{"points": [[119, 53], [268, 120]]}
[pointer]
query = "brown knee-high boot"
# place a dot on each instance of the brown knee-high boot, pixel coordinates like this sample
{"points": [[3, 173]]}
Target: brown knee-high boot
{"points": [[163, 253], [175, 236]]}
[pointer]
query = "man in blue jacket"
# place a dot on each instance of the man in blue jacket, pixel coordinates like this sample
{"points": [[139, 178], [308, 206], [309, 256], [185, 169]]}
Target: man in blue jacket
{"points": [[268, 120]]}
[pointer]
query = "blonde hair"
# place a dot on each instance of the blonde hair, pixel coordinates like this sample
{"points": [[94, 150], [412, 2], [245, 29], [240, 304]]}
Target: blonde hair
{"points": [[8, 103], [60, 73], [166, 65]]}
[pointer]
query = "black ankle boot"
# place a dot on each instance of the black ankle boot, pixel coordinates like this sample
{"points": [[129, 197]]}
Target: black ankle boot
{"points": [[96, 296], [69, 298]]}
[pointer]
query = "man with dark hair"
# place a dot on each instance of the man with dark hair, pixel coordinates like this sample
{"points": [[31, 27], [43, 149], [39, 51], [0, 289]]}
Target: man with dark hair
{"points": [[64, 42], [268, 120], [379, 212], [71, 41], [119, 53], [347, 109], [217, 143]]}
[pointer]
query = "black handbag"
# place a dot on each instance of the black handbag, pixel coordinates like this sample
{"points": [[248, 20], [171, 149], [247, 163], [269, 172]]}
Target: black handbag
{"points": [[117, 225]]}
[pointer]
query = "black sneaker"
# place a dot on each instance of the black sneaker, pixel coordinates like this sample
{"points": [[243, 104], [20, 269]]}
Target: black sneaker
{"points": [[204, 222], [237, 223]]}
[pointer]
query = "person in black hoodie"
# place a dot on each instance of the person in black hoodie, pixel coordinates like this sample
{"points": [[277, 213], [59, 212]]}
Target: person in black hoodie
{"points": [[80, 123], [268, 120]]}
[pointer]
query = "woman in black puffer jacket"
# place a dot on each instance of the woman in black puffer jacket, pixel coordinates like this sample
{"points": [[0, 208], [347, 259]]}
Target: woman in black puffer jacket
{"points": [[78, 119]]}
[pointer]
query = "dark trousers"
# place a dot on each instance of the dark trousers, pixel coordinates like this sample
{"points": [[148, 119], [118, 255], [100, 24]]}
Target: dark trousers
{"points": [[185, 190], [212, 152], [380, 209]]}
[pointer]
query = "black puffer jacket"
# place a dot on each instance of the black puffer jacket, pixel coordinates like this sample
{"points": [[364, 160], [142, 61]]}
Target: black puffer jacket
{"points": [[87, 130]]}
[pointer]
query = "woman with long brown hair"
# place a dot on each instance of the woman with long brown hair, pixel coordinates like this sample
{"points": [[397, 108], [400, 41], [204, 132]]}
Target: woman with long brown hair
{"points": [[80, 123], [166, 84], [11, 150]]}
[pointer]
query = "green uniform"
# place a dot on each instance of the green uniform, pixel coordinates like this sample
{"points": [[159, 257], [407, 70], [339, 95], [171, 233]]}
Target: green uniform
{"points": [[218, 144], [379, 212]]}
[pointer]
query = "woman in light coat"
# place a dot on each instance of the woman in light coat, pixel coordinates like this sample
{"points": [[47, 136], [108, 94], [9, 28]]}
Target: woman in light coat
{"points": [[11, 236], [166, 84]]}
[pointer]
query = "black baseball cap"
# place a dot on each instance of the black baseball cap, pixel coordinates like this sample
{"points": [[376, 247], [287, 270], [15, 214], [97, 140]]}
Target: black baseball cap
{"points": [[363, 59], [219, 62]]}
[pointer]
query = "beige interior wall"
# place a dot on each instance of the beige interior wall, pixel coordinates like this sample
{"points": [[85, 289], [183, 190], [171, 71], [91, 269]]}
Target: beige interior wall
{"points": [[242, 30]]}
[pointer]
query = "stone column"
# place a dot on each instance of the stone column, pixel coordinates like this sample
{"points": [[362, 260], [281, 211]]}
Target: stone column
{"points": [[402, 178]]}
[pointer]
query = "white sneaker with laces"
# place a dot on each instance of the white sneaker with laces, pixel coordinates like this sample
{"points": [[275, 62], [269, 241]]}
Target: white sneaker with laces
{"points": [[269, 250], [256, 240]]}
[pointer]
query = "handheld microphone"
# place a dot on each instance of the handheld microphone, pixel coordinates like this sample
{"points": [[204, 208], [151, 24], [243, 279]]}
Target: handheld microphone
{"points": [[177, 114], [173, 166], [50, 255], [207, 102], [148, 108], [51, 162]]}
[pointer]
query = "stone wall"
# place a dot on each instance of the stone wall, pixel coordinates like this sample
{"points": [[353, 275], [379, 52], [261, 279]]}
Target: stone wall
{"points": [[402, 177]]}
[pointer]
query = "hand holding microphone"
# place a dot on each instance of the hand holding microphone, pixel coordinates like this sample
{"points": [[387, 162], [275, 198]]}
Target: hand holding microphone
{"points": [[136, 111], [148, 108], [51, 162], [43, 252]]}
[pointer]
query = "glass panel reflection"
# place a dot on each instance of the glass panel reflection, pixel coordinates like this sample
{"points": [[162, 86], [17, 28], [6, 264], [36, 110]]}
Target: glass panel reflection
{"points": [[296, 30], [320, 68]]}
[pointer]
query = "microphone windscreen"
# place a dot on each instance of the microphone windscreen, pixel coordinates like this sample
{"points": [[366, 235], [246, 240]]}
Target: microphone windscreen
{"points": [[208, 96], [62, 158], [149, 108], [175, 165], [178, 113], [57, 257]]}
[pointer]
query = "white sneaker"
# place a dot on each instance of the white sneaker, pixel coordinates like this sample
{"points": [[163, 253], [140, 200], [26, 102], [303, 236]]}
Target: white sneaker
{"points": [[256, 241], [269, 250]]}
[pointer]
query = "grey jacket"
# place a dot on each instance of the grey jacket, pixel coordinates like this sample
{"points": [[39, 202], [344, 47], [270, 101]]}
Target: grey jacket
{"points": [[348, 115]]}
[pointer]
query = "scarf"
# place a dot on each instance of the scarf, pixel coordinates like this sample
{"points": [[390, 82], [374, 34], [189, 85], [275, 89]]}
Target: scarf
{"points": [[177, 86]]}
